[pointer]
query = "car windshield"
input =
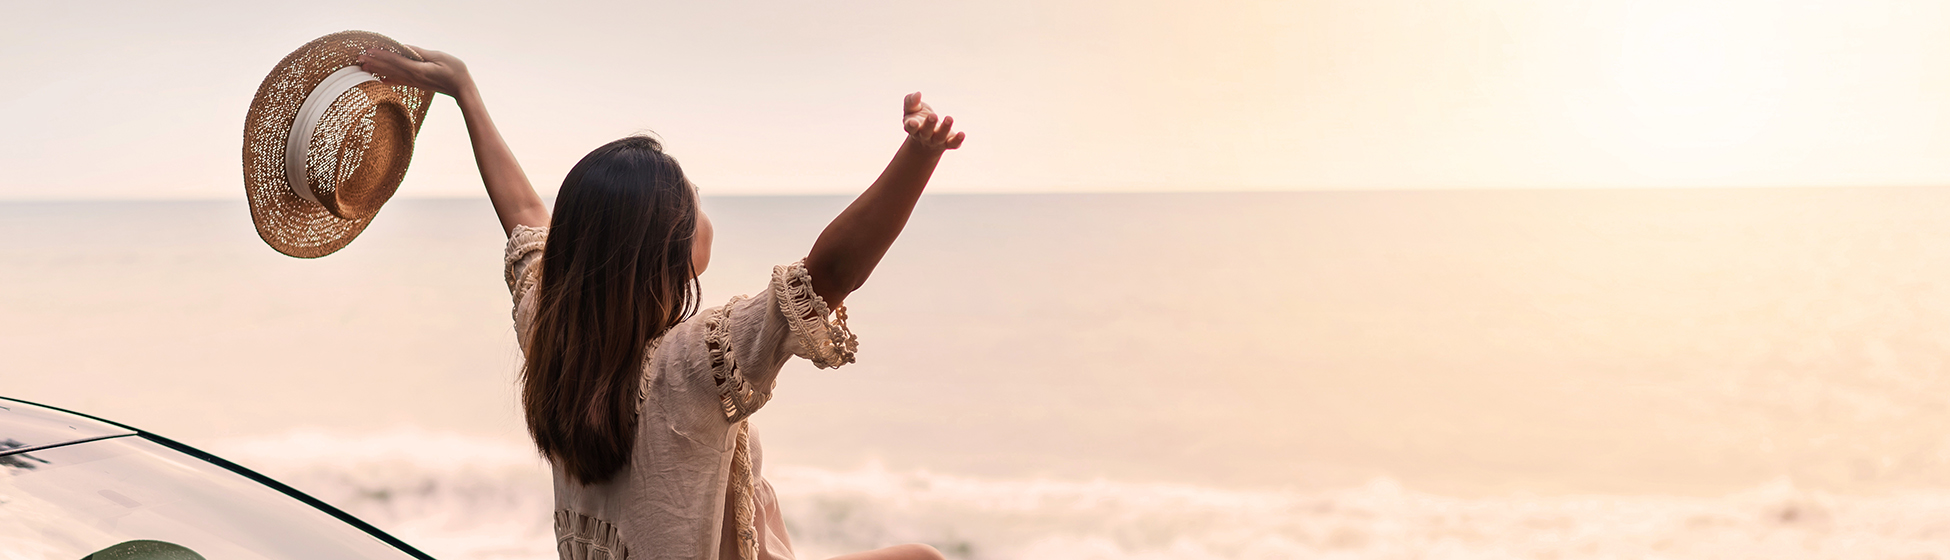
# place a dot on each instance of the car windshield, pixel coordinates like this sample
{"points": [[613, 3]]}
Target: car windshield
{"points": [[128, 495]]}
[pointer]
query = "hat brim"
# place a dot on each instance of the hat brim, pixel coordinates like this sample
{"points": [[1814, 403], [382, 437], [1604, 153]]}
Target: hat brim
{"points": [[287, 222]]}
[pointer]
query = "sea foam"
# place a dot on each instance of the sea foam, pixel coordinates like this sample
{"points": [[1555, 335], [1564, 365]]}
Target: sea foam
{"points": [[461, 497]]}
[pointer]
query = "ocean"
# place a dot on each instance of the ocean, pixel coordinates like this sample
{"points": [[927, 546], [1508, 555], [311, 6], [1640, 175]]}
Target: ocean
{"points": [[1648, 373]]}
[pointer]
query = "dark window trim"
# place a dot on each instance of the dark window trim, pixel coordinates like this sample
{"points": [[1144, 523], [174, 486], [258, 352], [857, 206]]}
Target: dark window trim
{"points": [[44, 447]]}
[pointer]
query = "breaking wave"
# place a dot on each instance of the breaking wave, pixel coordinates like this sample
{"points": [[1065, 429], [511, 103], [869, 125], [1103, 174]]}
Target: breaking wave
{"points": [[459, 497]]}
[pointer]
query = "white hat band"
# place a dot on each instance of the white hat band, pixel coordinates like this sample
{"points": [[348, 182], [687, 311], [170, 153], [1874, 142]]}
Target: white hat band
{"points": [[299, 141]]}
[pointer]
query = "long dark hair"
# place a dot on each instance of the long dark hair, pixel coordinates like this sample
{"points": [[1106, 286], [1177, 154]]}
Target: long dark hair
{"points": [[616, 274]]}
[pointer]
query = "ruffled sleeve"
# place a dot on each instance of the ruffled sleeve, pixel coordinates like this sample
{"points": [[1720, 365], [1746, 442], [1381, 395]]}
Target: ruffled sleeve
{"points": [[523, 260], [819, 334], [749, 339]]}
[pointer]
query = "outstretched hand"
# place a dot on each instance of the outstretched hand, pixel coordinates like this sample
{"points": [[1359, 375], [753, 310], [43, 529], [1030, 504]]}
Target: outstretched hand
{"points": [[441, 72], [929, 129], [850, 247], [515, 200]]}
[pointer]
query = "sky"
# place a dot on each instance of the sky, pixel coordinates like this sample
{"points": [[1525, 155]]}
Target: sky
{"points": [[146, 100]]}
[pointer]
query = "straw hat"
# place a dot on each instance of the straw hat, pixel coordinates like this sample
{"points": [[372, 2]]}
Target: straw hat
{"points": [[326, 144]]}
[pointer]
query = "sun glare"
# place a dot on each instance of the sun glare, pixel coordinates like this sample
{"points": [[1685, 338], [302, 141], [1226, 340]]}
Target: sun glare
{"points": [[1700, 86]]}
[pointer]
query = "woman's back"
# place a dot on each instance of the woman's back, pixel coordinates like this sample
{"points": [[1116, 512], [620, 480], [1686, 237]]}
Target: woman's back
{"points": [[691, 488]]}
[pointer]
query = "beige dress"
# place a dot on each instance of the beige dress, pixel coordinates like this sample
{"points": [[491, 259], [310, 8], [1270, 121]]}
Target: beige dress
{"points": [[693, 489]]}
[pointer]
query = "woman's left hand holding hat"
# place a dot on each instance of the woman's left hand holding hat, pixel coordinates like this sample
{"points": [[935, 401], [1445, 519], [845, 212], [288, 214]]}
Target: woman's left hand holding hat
{"points": [[441, 72], [515, 200]]}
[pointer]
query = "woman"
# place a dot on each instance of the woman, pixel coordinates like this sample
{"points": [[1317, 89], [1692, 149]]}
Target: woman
{"points": [[639, 402]]}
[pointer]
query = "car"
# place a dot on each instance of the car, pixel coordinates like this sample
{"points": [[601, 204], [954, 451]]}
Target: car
{"points": [[74, 487]]}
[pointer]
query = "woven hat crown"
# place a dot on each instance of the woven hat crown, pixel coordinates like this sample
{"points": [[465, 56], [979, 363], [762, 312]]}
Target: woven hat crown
{"points": [[326, 145], [358, 152]]}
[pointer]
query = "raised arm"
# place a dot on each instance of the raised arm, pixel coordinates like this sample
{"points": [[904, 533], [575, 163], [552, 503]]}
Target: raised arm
{"points": [[853, 244], [514, 198]]}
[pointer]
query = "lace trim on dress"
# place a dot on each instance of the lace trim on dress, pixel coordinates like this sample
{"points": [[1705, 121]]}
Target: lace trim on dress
{"points": [[828, 344], [521, 242], [524, 240], [744, 504], [734, 394], [581, 537]]}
